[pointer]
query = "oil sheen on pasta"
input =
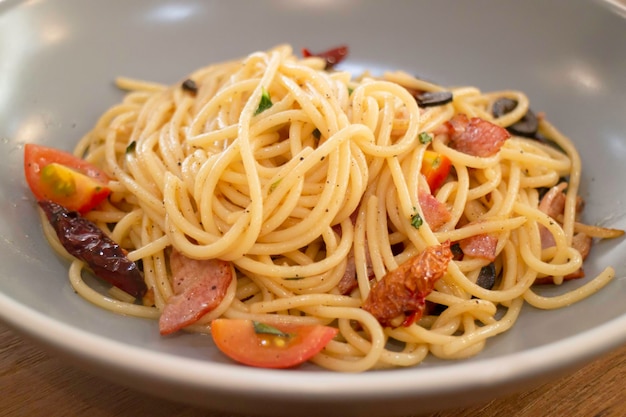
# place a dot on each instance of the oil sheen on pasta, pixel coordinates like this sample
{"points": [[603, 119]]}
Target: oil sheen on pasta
{"points": [[324, 179]]}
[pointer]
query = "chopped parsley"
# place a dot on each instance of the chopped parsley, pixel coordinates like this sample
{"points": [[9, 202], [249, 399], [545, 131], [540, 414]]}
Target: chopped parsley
{"points": [[262, 328], [274, 185], [425, 138], [265, 103], [131, 147], [416, 221]]}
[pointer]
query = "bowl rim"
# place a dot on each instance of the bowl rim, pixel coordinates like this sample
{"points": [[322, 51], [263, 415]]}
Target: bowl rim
{"points": [[414, 381]]}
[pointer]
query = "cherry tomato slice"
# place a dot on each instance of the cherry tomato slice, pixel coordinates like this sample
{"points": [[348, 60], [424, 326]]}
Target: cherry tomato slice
{"points": [[435, 168], [61, 177], [238, 339]]}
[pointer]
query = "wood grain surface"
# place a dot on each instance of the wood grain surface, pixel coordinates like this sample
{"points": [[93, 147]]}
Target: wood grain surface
{"points": [[34, 384]]}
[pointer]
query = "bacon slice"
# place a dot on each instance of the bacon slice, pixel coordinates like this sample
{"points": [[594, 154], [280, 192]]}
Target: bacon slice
{"points": [[480, 246], [553, 202], [404, 289], [475, 136], [582, 243], [199, 287], [348, 281], [436, 214]]}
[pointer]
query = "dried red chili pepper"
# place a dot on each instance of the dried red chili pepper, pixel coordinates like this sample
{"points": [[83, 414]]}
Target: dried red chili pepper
{"points": [[87, 242], [332, 56]]}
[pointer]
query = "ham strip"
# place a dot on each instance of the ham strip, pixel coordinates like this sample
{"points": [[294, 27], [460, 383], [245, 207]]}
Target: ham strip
{"points": [[199, 287]]}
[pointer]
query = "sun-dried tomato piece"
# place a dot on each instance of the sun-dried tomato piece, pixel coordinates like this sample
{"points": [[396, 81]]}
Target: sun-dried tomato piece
{"points": [[404, 290]]}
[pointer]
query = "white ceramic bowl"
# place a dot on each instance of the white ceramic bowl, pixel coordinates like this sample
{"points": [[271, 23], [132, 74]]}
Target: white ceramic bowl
{"points": [[58, 60]]}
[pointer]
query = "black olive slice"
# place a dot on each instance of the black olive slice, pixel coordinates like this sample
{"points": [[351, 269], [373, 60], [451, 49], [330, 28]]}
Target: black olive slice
{"points": [[436, 98], [190, 86], [487, 276], [503, 106], [457, 252], [527, 126]]}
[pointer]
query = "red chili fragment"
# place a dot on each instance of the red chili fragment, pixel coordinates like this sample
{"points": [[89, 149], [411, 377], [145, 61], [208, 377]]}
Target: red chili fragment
{"points": [[87, 242], [404, 290], [332, 56]]}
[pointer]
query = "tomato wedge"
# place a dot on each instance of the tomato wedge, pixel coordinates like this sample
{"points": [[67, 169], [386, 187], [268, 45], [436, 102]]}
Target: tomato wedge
{"points": [[263, 346], [435, 168], [63, 178]]}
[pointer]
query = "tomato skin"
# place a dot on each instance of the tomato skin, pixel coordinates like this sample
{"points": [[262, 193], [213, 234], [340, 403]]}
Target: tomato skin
{"points": [[435, 168], [90, 182], [332, 56], [237, 339]]}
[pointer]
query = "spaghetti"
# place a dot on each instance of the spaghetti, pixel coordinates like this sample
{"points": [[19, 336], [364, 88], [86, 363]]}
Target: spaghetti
{"points": [[324, 179]]}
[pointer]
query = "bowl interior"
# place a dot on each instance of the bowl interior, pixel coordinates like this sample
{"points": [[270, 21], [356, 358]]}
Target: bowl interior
{"points": [[58, 61]]}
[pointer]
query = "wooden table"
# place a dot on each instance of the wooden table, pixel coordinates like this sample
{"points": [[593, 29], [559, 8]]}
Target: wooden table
{"points": [[33, 384]]}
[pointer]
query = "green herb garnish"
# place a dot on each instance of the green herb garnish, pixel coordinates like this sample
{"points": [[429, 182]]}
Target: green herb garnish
{"points": [[274, 185], [131, 147], [262, 328], [425, 138], [416, 221], [266, 102]]}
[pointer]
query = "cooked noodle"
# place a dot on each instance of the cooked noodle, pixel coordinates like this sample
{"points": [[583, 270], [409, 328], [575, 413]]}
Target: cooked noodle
{"points": [[213, 179]]}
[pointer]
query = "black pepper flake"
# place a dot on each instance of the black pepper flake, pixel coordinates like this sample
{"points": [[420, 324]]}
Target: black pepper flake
{"points": [[190, 86]]}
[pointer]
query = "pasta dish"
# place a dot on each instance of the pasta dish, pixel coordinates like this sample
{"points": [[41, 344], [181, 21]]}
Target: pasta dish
{"points": [[280, 203]]}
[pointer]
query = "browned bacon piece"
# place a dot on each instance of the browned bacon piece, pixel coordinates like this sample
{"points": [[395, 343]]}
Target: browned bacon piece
{"points": [[199, 287], [475, 136], [582, 243], [348, 281], [436, 214], [480, 246], [553, 204], [404, 290]]}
